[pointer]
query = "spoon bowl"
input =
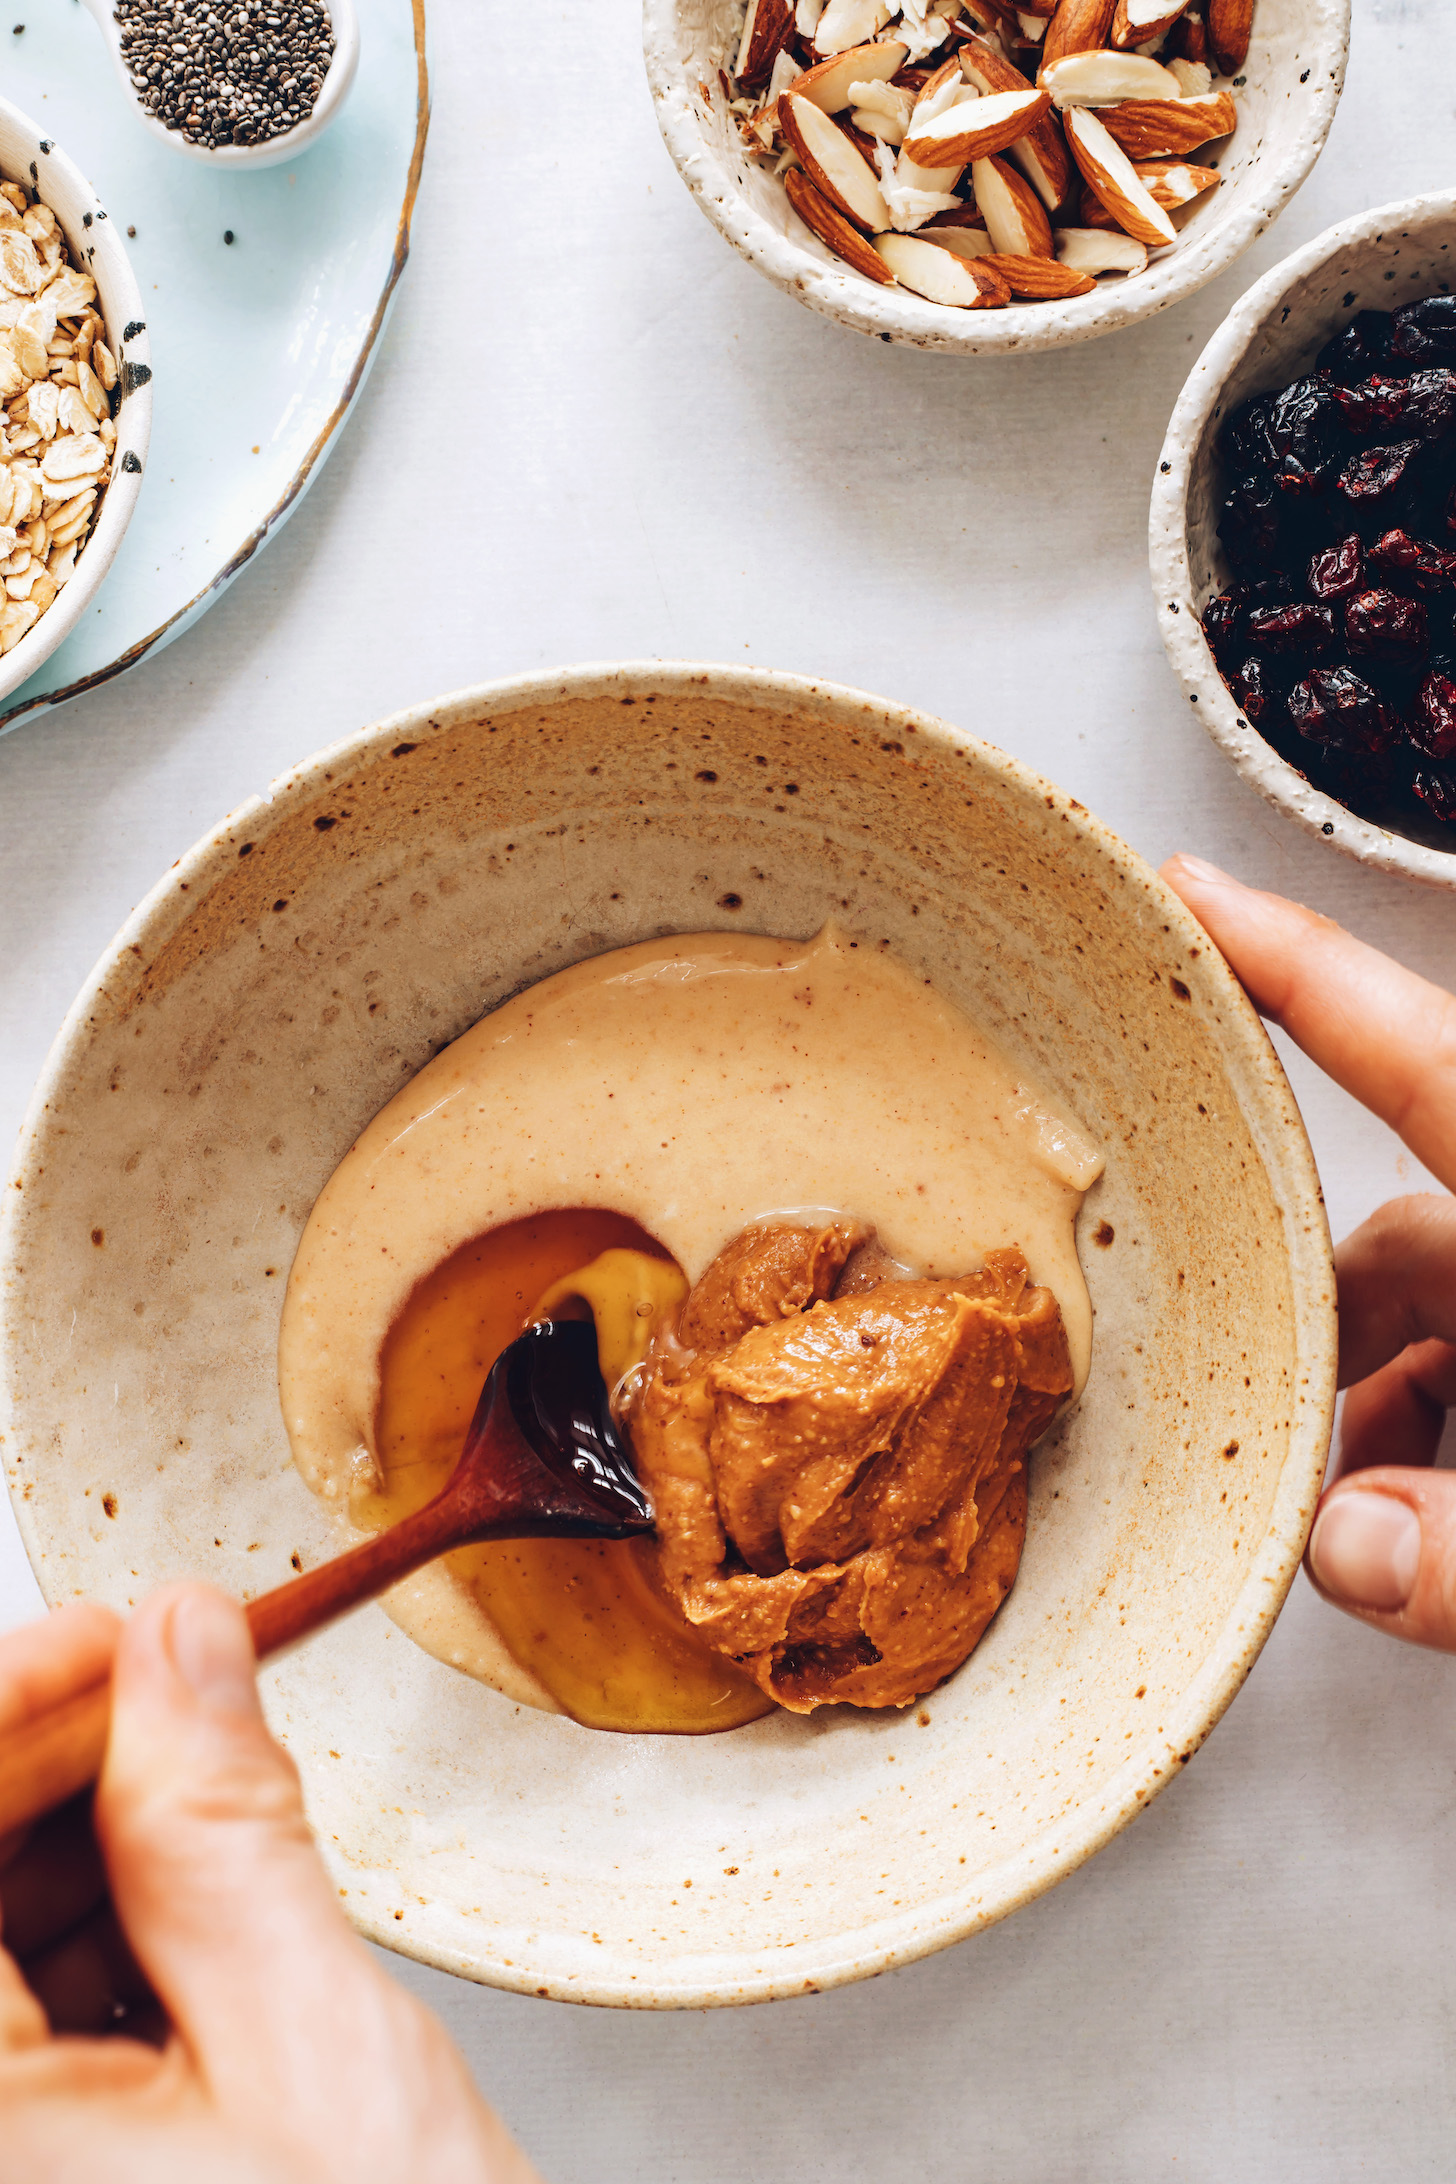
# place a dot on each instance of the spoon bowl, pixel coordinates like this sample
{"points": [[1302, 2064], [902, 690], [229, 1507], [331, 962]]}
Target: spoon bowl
{"points": [[543, 1459], [336, 87]]}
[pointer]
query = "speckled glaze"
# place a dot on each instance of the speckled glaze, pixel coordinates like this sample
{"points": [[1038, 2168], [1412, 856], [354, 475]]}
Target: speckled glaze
{"points": [[1374, 262], [27, 155], [1295, 72], [296, 968]]}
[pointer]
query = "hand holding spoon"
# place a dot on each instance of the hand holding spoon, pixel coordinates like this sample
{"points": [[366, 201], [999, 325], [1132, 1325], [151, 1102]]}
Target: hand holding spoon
{"points": [[542, 1459]]}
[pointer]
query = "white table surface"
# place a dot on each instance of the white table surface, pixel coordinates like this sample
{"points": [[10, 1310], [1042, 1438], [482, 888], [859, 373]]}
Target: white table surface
{"points": [[594, 433]]}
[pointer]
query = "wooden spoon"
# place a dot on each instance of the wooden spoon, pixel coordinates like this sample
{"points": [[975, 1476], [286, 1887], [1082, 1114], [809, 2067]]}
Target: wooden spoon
{"points": [[542, 1459]]}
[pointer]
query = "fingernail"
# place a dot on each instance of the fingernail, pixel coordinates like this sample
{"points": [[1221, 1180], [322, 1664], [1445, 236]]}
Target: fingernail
{"points": [[1198, 868], [1366, 1549], [213, 1654]]}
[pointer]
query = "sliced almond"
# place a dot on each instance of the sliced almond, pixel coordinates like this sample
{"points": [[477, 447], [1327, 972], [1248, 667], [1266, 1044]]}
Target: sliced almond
{"points": [[985, 17], [1104, 79], [943, 88], [1172, 182], [1012, 211], [767, 28], [1079, 26], [977, 128], [1098, 250], [1094, 214], [833, 164], [1194, 77], [936, 274], [961, 242], [1039, 280], [880, 110], [989, 20], [1230, 23], [1189, 38], [986, 67], [831, 227], [1141, 22], [827, 84], [1166, 128], [1041, 153], [1112, 175], [848, 23]]}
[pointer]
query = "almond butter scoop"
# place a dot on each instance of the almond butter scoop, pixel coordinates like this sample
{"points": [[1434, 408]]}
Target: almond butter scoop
{"points": [[837, 1458]]}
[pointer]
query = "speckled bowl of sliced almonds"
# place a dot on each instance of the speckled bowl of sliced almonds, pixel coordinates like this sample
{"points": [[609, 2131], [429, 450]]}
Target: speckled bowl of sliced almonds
{"points": [[963, 175], [75, 395]]}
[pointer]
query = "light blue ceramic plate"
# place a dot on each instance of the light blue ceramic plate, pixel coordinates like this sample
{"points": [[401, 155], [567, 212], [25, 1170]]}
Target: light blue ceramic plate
{"points": [[259, 346]]}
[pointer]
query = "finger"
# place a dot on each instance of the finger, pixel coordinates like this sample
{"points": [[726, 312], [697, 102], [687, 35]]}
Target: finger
{"points": [[212, 1866], [43, 1663], [1397, 1278], [1384, 1549], [1398, 1415], [22, 2020], [288, 2021], [90, 1982], [1387, 1036], [54, 1880]]}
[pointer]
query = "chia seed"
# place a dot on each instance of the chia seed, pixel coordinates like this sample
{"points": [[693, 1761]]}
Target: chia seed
{"points": [[226, 71]]}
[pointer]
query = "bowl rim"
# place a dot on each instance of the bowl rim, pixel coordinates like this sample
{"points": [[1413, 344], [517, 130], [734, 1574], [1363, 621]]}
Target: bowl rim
{"points": [[133, 421], [808, 271], [1275, 779], [1279, 1131]]}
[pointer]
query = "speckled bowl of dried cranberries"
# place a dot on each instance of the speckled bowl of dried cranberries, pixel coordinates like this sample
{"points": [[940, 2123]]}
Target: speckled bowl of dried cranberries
{"points": [[1303, 537]]}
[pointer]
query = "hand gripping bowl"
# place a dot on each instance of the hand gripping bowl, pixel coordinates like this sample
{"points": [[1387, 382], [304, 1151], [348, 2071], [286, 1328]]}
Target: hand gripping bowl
{"points": [[1295, 71], [291, 973], [29, 157], [1374, 262]]}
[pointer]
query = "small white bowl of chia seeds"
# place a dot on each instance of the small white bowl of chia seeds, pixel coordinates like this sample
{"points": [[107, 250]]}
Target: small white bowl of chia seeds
{"points": [[235, 83]]}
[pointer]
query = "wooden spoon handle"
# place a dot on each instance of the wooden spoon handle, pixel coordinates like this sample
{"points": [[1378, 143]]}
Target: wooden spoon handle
{"points": [[60, 1752], [53, 1756]]}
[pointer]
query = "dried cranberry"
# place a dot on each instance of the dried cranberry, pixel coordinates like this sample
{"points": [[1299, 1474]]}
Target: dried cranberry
{"points": [[1307, 631], [1437, 791], [1451, 509], [1433, 717], [1425, 403], [1336, 707], [1223, 621], [1303, 423], [1380, 625], [1249, 525], [1245, 439], [1379, 472], [1359, 350], [1401, 555], [1255, 690], [1336, 570], [1425, 332]]}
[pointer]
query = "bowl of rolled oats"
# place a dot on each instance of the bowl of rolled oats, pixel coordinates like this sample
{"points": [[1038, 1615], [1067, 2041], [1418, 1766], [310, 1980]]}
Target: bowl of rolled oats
{"points": [[975, 176], [75, 395]]}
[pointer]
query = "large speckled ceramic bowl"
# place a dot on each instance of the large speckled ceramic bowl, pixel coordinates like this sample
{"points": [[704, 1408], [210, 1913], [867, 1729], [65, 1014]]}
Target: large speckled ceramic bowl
{"points": [[290, 974], [29, 156], [1371, 263], [1287, 98]]}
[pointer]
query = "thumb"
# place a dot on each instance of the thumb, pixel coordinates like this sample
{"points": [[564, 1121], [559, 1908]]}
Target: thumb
{"points": [[213, 1870], [1384, 1548]]}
